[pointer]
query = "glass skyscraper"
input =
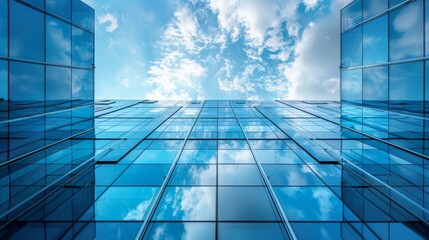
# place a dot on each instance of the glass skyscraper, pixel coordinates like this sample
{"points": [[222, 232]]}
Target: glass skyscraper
{"points": [[75, 168]]}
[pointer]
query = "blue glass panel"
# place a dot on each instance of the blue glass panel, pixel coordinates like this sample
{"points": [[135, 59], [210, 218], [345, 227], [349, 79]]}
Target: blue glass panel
{"points": [[375, 41], [326, 231], [82, 48], [406, 32], [251, 231], [330, 174], [233, 144], [58, 87], [124, 203], [83, 15], [373, 7], [157, 156], [393, 3], [351, 87], [187, 203], [3, 82], [235, 156], [201, 174], [166, 144], [27, 82], [198, 156], [143, 175], [427, 27], [269, 144], [278, 156], [351, 52], [61, 8], [201, 144], [58, 41], [239, 175], [36, 3], [183, 230], [310, 203], [351, 15], [375, 86], [106, 174], [82, 87], [113, 230], [26, 33], [291, 175], [245, 204], [3, 28]]}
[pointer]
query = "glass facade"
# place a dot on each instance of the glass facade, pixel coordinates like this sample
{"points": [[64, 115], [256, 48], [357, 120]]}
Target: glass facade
{"points": [[214, 170]]}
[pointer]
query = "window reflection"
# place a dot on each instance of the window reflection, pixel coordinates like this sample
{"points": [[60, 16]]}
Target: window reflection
{"points": [[406, 32], [58, 87], [373, 7], [26, 33], [375, 41], [3, 29], [4, 83], [82, 48], [351, 15], [201, 174], [27, 82], [61, 8], [58, 41], [351, 51], [82, 87], [351, 87], [182, 230]]}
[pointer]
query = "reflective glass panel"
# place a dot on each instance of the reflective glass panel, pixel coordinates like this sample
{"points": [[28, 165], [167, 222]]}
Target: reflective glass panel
{"points": [[61, 8], [278, 157], [26, 82], [58, 41], [406, 32], [375, 41], [187, 203], [82, 48], [245, 204], [27, 39], [3, 28], [198, 156], [352, 48], [198, 174], [239, 175], [182, 230], [156, 156], [82, 15], [291, 175], [351, 15], [235, 156], [143, 175], [375, 86], [251, 231], [58, 86], [124, 203], [351, 86], [373, 7], [4, 81], [82, 86]]}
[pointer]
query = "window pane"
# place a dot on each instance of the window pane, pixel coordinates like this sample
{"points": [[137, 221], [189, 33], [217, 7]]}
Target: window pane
{"points": [[157, 157], [373, 7], [82, 86], [245, 204], [352, 48], [3, 28], [26, 82], [427, 27], [406, 32], [181, 230], [58, 41], [351, 15], [375, 42], [198, 156], [58, 86], [406, 85], [37, 3], [375, 86], [83, 48], [3, 81], [393, 3], [239, 175], [124, 203], [291, 175], [352, 86], [278, 156], [143, 175], [251, 231], [26, 33], [61, 8], [187, 203], [83, 15], [235, 156], [201, 174]]}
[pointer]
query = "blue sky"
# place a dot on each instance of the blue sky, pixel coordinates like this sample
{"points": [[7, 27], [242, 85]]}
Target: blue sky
{"points": [[217, 49]]}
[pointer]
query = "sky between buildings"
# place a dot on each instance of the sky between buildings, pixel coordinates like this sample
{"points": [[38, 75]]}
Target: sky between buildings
{"points": [[217, 49]]}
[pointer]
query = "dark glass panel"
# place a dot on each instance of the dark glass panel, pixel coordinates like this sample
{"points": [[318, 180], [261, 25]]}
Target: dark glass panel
{"points": [[26, 82], [82, 48], [83, 15], [82, 87], [58, 88], [61, 8], [352, 48], [351, 15], [373, 7], [58, 41], [26, 33], [3, 28]]}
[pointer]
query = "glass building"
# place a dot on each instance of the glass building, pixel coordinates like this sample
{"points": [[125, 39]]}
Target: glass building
{"points": [[72, 168]]}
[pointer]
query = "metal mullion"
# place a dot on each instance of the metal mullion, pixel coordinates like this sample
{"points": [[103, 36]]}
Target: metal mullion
{"points": [[276, 202], [151, 212]]}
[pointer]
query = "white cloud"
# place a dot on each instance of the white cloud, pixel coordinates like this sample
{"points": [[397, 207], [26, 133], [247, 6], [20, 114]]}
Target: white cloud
{"points": [[310, 4], [314, 74], [241, 82], [110, 19]]}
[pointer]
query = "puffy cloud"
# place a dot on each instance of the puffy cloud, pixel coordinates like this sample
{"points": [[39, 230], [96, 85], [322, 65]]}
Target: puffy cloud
{"points": [[110, 19], [310, 4]]}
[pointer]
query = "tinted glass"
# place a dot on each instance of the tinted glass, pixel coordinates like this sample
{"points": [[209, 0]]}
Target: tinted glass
{"points": [[183, 230], [157, 156], [351, 87], [239, 175], [26, 33], [201, 174], [58, 84], [375, 41], [427, 27], [373, 7], [143, 175], [251, 231], [291, 175], [393, 3], [3, 81], [61, 8], [58, 41], [26, 82], [82, 86], [235, 156], [352, 48], [82, 48], [36, 3], [375, 86], [3, 28], [351, 15], [82, 15], [406, 82], [406, 32]]}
